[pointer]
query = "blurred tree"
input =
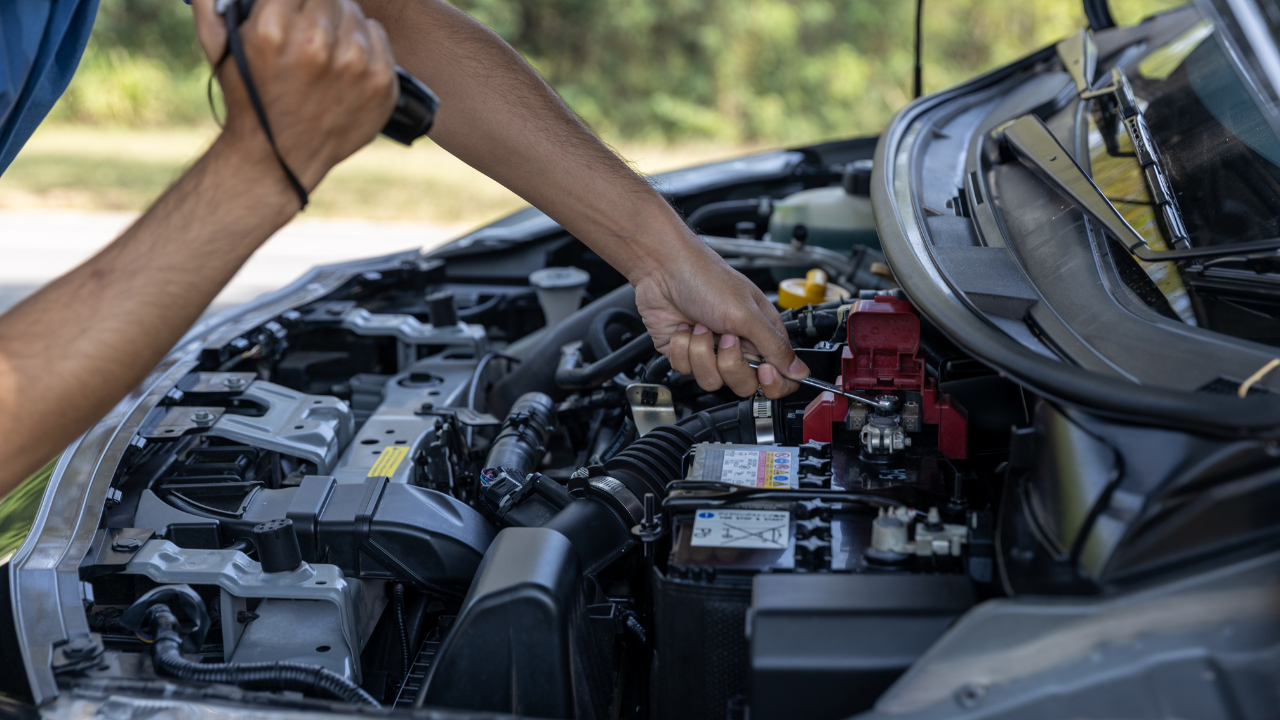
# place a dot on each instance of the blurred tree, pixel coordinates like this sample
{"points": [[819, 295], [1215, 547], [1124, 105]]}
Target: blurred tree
{"points": [[765, 70], [664, 70], [156, 29]]}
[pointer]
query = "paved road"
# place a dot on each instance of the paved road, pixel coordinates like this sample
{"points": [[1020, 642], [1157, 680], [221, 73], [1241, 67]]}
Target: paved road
{"points": [[37, 246]]}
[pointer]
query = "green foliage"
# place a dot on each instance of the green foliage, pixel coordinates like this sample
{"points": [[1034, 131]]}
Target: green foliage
{"points": [[143, 66], [653, 70], [18, 510]]}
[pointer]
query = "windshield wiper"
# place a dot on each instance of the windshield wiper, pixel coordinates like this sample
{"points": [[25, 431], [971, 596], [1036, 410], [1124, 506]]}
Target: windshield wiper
{"points": [[1120, 105], [1036, 147]]}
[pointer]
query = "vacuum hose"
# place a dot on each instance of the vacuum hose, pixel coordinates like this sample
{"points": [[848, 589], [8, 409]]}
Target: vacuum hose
{"points": [[307, 679], [571, 374]]}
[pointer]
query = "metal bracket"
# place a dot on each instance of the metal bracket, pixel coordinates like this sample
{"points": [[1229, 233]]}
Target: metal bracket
{"points": [[180, 420], [651, 406], [407, 329], [217, 383], [241, 578], [1079, 55], [313, 427]]}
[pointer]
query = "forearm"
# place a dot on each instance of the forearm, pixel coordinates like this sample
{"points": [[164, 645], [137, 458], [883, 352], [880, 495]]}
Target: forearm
{"points": [[499, 116], [68, 352]]}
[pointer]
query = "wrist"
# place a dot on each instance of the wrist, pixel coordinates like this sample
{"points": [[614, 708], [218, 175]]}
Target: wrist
{"points": [[245, 171], [659, 239]]}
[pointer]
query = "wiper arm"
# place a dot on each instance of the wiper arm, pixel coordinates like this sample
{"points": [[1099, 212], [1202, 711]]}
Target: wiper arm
{"points": [[1121, 104], [1037, 149]]}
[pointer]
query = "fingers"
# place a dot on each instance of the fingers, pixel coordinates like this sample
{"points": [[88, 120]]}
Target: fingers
{"points": [[678, 349], [210, 30], [766, 332], [773, 384], [319, 25], [733, 367], [702, 357], [383, 68]]}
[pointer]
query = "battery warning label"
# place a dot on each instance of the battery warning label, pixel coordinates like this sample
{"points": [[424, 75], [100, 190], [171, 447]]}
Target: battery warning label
{"points": [[760, 466], [752, 529]]}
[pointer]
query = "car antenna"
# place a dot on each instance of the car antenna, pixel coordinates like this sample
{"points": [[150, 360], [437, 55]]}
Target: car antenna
{"points": [[919, 74]]}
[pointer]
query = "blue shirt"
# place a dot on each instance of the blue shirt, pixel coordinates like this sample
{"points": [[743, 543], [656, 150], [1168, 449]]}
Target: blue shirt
{"points": [[41, 42]]}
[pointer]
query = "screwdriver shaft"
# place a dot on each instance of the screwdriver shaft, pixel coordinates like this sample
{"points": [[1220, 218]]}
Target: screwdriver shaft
{"points": [[755, 365]]}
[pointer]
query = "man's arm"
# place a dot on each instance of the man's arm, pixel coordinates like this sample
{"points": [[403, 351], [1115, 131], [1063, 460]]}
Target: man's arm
{"points": [[69, 352], [501, 118]]}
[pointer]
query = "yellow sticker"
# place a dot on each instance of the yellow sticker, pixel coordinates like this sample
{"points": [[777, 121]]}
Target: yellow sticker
{"points": [[388, 460]]}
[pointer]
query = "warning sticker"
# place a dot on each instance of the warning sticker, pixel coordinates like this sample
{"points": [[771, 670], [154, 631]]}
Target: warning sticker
{"points": [[388, 460], [760, 466], [757, 529]]}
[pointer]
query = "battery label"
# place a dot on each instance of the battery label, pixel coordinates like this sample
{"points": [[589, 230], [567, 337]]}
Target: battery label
{"points": [[753, 529]]}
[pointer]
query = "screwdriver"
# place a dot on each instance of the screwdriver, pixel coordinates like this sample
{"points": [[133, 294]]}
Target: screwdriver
{"points": [[755, 360]]}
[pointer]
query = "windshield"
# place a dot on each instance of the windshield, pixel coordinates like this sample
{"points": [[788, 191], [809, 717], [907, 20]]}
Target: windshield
{"points": [[1215, 126], [1208, 99]]}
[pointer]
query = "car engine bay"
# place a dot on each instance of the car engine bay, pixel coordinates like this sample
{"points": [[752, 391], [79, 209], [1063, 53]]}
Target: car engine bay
{"points": [[443, 504], [464, 481]]}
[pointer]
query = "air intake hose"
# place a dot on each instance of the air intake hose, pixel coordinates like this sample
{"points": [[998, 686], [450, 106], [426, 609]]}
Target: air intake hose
{"points": [[519, 444], [307, 679]]}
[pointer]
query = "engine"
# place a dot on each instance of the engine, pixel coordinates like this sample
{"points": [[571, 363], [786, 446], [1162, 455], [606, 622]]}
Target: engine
{"points": [[403, 494]]}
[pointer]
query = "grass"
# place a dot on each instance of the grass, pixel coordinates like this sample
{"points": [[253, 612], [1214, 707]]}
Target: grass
{"points": [[123, 169]]}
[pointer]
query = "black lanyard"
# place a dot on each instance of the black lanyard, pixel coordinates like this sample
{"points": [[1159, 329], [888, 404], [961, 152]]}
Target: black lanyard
{"points": [[236, 48]]}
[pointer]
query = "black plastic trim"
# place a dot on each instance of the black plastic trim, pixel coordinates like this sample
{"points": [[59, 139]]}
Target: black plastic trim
{"points": [[1108, 397]]}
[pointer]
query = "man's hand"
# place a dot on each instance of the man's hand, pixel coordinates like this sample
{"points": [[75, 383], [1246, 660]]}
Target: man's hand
{"points": [[503, 120], [70, 351], [324, 72], [693, 297]]}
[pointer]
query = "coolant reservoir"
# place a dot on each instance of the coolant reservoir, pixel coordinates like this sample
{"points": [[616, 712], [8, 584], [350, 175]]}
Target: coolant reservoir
{"points": [[830, 216]]}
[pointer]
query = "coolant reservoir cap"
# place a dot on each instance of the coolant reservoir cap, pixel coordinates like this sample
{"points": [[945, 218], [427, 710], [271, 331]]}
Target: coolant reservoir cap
{"points": [[811, 289], [557, 278]]}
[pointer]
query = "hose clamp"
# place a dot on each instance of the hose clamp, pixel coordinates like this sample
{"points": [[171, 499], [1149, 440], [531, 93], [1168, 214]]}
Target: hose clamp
{"points": [[617, 496], [762, 415]]}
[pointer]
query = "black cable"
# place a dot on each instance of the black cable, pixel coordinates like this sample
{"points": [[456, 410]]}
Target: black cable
{"points": [[715, 494], [398, 600], [168, 660], [476, 376], [624, 432], [919, 71], [474, 310], [571, 374], [232, 18], [656, 370]]}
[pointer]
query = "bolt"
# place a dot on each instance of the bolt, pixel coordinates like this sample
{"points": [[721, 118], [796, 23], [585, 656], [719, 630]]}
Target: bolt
{"points": [[79, 648], [126, 545], [202, 417], [234, 381], [970, 696]]}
